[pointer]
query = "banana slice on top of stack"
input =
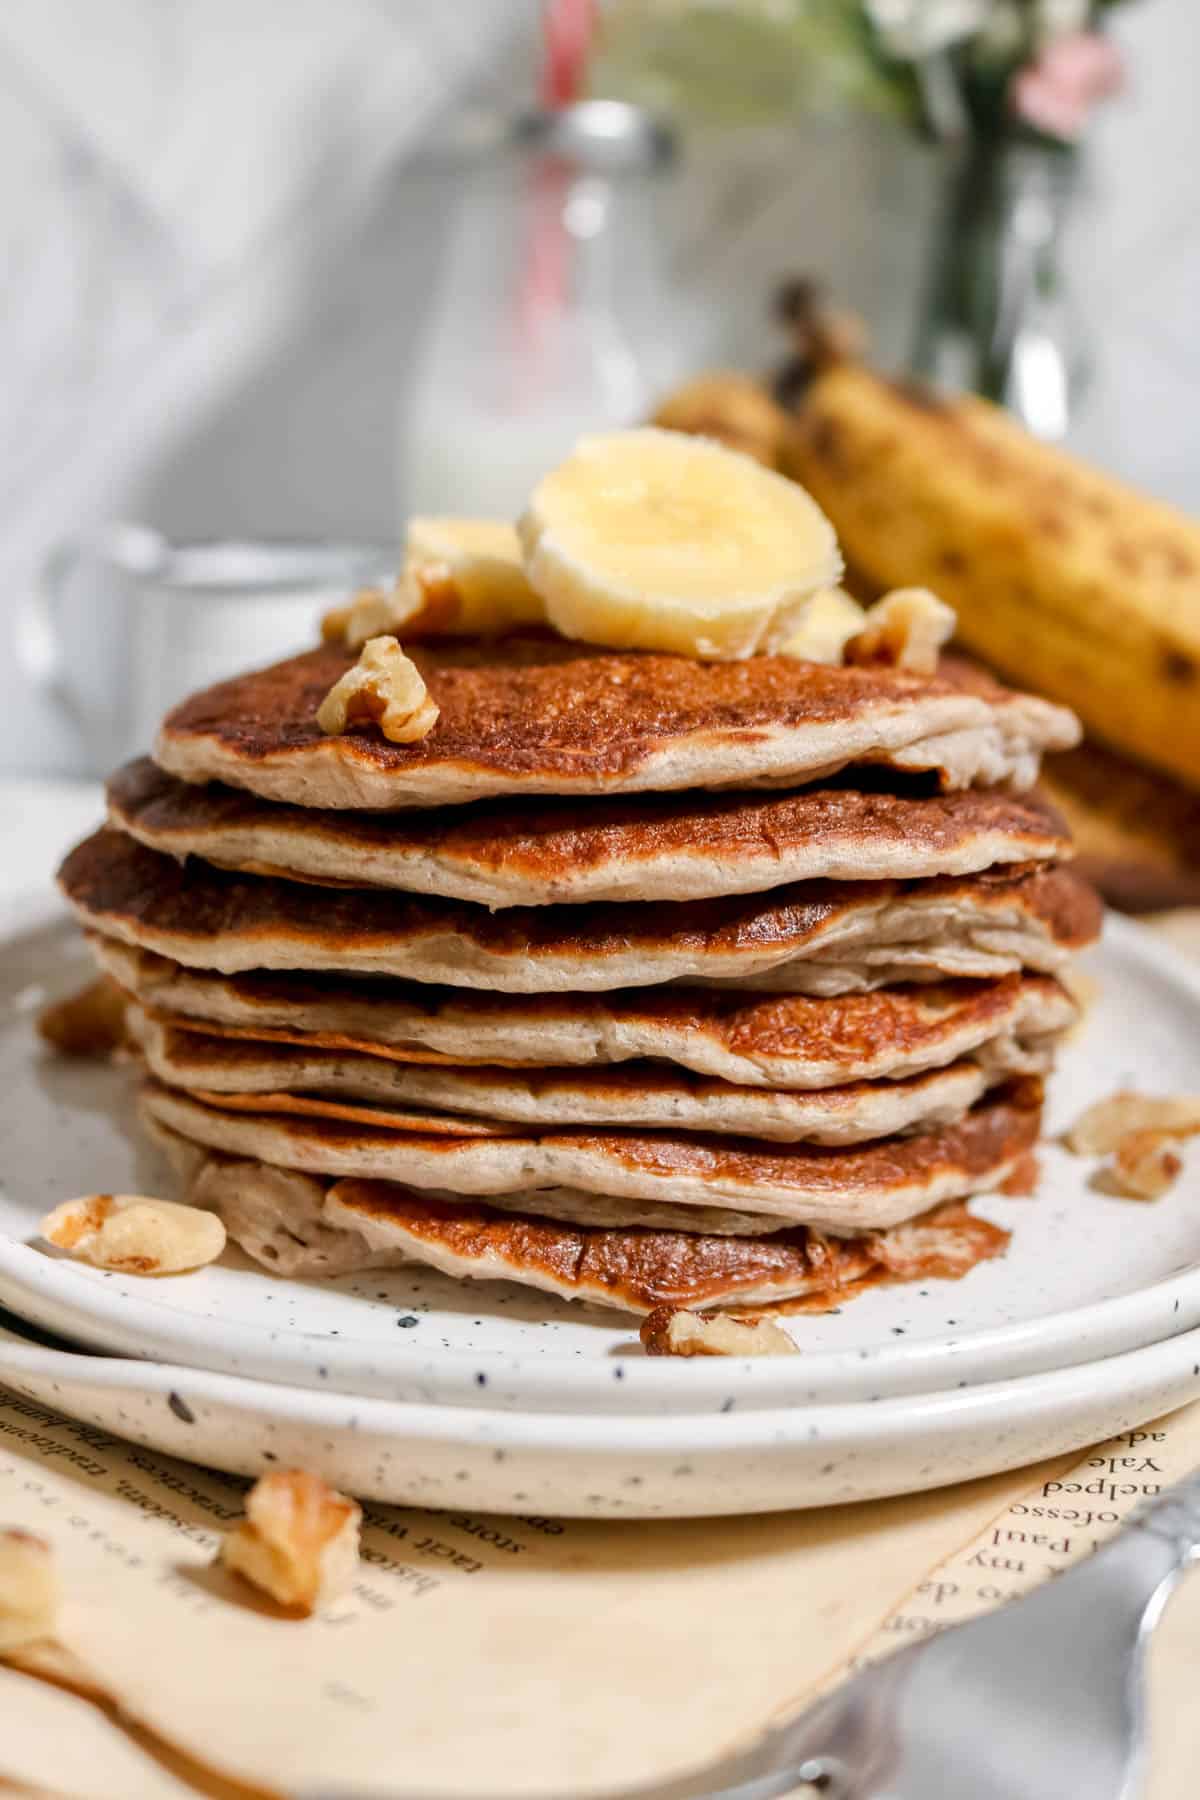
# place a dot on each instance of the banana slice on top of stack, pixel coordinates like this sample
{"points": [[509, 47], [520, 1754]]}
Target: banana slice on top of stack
{"points": [[640, 540], [657, 541]]}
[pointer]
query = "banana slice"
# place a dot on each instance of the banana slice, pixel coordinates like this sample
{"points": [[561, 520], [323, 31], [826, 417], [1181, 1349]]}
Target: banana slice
{"points": [[467, 578], [654, 540], [829, 620]]}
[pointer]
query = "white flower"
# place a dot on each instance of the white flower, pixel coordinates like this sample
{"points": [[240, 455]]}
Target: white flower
{"points": [[912, 29], [1004, 36], [1060, 18]]}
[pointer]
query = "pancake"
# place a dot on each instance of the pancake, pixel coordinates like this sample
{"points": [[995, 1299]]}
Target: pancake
{"points": [[296, 1225], [794, 1042], [536, 714], [345, 1084], [840, 1190], [823, 937], [677, 847]]}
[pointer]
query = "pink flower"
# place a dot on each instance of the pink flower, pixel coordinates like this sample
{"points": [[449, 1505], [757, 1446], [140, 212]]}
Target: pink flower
{"points": [[1056, 92]]}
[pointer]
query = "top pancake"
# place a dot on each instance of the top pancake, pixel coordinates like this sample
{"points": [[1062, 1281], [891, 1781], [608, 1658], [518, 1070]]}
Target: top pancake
{"points": [[672, 847], [536, 714]]}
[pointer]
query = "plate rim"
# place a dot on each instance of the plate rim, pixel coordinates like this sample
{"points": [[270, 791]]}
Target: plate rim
{"points": [[846, 1423], [50, 1290]]}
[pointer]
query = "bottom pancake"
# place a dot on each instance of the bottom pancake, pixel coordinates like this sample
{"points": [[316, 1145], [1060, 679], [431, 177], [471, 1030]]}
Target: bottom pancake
{"points": [[302, 1225]]}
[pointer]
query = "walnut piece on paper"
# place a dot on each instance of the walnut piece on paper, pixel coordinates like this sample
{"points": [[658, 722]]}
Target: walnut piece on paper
{"points": [[384, 688], [673, 1331], [29, 1590], [1100, 1129], [132, 1234], [298, 1541], [90, 1022], [904, 630], [1144, 1165]]}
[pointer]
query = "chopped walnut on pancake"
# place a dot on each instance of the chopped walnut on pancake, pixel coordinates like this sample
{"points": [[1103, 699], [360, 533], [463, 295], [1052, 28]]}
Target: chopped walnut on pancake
{"points": [[384, 688], [904, 630]]}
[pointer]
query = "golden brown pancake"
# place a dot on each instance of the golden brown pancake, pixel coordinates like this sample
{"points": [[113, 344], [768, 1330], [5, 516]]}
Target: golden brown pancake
{"points": [[793, 1041], [299, 1225], [638, 1270], [842, 1190], [812, 936], [673, 847], [535, 714], [341, 1084]]}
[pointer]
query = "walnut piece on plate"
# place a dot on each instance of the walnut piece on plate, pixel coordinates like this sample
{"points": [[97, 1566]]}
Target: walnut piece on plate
{"points": [[673, 1331], [29, 1590], [1145, 1165], [385, 688], [132, 1234], [298, 1541], [1137, 1130], [90, 1022], [1100, 1129]]}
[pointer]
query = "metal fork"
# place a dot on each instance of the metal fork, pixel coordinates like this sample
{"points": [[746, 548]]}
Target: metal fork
{"points": [[1041, 1700]]}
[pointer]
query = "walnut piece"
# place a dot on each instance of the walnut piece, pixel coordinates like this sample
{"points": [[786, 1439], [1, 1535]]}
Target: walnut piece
{"points": [[905, 630], [370, 613], [1101, 1128], [135, 1235], [1144, 1166], [90, 1022], [298, 1541], [385, 688], [828, 622], [673, 1331], [29, 1590]]}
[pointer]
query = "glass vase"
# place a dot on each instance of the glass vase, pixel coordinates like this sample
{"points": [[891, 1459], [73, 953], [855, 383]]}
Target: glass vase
{"points": [[997, 317]]}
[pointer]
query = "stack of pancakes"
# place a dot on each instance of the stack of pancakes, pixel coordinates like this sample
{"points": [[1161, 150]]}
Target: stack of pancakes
{"points": [[640, 979]]}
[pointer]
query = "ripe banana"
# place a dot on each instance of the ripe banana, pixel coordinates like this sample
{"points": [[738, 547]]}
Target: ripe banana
{"points": [[828, 622], [1062, 578], [479, 562], [657, 541], [461, 578]]}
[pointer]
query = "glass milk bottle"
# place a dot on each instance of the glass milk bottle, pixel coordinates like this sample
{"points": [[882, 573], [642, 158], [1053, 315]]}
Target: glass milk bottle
{"points": [[552, 318]]}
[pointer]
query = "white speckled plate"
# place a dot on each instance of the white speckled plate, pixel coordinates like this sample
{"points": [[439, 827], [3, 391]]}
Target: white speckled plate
{"points": [[1087, 1275], [611, 1466]]}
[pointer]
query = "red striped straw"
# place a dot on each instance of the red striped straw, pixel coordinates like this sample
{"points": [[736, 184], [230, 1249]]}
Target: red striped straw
{"points": [[568, 28]]}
